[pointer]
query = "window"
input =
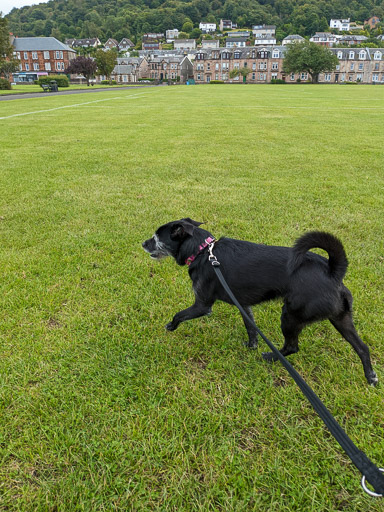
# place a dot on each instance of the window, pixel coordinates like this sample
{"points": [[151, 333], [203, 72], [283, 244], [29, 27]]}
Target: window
{"points": [[46, 55], [25, 55], [375, 77], [216, 76], [237, 55], [376, 66], [337, 67], [292, 76], [59, 55], [47, 66], [34, 55], [208, 78], [253, 76], [27, 67], [254, 65], [217, 68], [274, 76], [236, 65], [304, 76], [208, 66], [275, 54], [339, 55], [358, 77], [275, 65], [327, 77], [198, 76], [35, 66], [351, 55], [362, 55], [377, 56], [352, 66], [361, 66]]}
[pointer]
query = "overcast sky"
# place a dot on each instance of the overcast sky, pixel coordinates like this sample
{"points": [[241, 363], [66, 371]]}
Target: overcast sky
{"points": [[8, 5]]}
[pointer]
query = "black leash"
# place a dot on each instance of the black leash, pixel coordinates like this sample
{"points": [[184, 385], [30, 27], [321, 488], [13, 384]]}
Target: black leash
{"points": [[367, 468]]}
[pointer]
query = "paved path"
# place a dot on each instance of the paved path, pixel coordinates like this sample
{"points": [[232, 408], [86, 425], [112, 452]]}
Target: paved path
{"points": [[75, 91]]}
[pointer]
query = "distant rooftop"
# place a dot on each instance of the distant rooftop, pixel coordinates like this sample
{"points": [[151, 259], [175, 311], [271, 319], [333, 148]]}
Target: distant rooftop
{"points": [[39, 43]]}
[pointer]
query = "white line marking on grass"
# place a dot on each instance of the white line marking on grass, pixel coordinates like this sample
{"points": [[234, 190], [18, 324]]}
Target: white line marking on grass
{"points": [[71, 106]]}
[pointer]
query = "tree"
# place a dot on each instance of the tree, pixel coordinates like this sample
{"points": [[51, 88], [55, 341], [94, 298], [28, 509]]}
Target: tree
{"points": [[8, 63], [244, 72], [83, 66], [106, 61], [187, 27], [310, 58]]}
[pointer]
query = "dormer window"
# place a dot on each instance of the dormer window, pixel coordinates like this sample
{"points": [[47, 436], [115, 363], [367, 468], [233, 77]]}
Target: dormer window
{"points": [[275, 54], [237, 55], [339, 55], [362, 55], [377, 56], [351, 55]]}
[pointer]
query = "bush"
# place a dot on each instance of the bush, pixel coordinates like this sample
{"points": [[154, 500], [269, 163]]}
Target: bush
{"points": [[216, 82], [5, 85], [107, 82], [61, 80], [278, 81]]}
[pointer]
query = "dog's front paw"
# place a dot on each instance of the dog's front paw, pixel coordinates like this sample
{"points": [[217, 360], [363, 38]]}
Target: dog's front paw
{"points": [[170, 326], [269, 356], [372, 379]]}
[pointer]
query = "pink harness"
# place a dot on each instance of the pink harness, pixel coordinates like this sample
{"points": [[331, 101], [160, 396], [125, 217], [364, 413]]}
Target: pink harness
{"points": [[205, 244]]}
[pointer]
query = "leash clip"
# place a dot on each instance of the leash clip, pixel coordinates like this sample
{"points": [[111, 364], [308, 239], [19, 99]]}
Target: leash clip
{"points": [[212, 258], [365, 488]]}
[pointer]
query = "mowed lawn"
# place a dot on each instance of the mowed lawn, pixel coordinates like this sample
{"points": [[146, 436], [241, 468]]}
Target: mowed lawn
{"points": [[101, 408]]}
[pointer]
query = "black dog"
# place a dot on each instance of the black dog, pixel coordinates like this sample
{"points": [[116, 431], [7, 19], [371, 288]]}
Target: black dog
{"points": [[310, 285]]}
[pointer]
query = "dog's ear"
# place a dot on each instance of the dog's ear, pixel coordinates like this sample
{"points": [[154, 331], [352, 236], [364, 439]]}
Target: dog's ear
{"points": [[193, 222], [184, 227]]}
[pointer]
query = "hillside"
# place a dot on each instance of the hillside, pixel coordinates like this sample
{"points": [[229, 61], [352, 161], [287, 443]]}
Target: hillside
{"points": [[131, 18]]}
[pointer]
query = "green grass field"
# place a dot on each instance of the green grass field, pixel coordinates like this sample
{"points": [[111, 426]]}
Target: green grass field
{"points": [[101, 408]]}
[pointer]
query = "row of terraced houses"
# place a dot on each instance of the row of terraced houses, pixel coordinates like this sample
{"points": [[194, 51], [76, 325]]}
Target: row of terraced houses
{"points": [[365, 65], [265, 63]]}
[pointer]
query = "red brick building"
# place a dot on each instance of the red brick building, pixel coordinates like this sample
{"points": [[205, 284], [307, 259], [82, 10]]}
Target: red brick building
{"points": [[40, 56]]}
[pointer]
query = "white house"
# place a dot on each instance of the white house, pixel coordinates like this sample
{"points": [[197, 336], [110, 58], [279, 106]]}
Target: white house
{"points": [[206, 28], [171, 35], [340, 24], [265, 40], [293, 38], [324, 38]]}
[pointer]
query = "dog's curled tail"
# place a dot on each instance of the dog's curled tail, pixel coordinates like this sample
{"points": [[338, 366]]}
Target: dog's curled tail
{"points": [[338, 262]]}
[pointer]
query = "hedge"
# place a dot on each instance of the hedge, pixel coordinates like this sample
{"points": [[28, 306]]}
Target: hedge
{"points": [[5, 85], [61, 80]]}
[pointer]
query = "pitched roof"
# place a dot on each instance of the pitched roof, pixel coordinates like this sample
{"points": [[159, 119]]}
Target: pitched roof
{"points": [[39, 43]]}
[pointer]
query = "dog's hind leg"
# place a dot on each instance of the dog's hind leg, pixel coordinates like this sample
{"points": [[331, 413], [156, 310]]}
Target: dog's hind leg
{"points": [[251, 330], [344, 324], [291, 329], [198, 309]]}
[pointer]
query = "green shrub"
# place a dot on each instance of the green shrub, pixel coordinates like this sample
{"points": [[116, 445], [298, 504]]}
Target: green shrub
{"points": [[216, 82], [61, 80], [5, 85], [108, 82], [278, 81]]}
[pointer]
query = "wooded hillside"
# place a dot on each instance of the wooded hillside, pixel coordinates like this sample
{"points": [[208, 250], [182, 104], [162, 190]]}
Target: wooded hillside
{"points": [[131, 18]]}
